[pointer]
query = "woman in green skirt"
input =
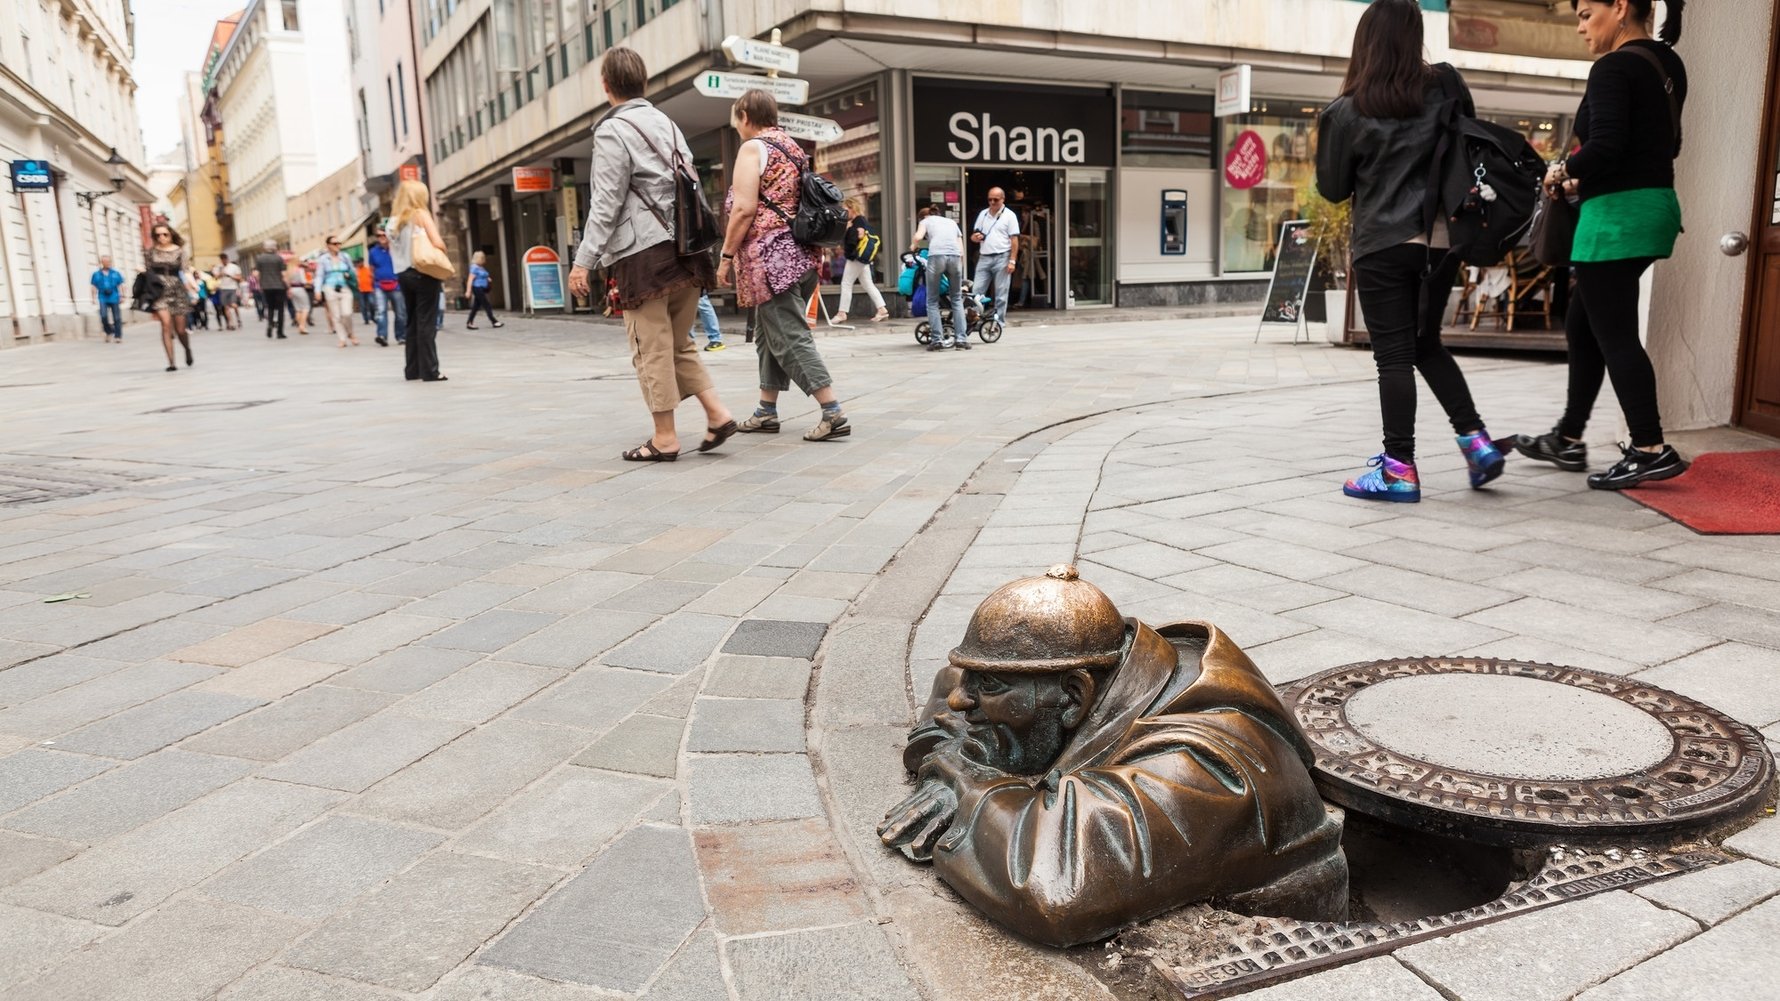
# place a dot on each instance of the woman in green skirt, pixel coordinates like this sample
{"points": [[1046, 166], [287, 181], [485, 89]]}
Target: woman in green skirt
{"points": [[1629, 126]]}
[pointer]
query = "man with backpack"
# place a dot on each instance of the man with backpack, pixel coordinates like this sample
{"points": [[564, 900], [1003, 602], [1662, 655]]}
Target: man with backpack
{"points": [[780, 214]]}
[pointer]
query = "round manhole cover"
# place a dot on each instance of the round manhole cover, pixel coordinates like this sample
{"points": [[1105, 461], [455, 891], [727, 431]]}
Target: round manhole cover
{"points": [[1516, 753]]}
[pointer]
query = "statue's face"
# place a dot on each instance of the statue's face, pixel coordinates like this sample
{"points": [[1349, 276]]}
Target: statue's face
{"points": [[1023, 720]]}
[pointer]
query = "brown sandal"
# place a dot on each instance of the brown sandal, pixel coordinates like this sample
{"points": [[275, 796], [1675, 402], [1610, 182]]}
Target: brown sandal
{"points": [[647, 452], [723, 434]]}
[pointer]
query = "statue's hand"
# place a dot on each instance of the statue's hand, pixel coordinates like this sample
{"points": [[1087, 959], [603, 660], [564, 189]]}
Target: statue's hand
{"points": [[914, 825]]}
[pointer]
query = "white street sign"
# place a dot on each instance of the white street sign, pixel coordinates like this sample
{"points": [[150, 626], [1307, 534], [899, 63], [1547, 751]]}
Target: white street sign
{"points": [[1233, 91], [819, 130], [784, 89], [752, 52]]}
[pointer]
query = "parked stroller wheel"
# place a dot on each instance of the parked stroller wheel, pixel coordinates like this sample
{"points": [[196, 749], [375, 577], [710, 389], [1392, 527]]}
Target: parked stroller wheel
{"points": [[923, 332], [990, 331]]}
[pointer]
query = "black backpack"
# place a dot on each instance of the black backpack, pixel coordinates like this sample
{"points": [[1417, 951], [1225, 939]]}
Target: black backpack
{"points": [[821, 219], [1487, 176]]}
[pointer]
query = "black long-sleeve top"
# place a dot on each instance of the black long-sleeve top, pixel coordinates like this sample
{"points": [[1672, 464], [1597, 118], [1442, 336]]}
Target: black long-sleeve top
{"points": [[1629, 140]]}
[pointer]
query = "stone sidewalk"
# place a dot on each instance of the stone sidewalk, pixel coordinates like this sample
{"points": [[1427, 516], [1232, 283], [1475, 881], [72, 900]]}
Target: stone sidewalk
{"points": [[386, 690]]}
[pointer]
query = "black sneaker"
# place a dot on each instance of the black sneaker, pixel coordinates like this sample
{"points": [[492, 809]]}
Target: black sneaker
{"points": [[1639, 467], [1554, 448]]}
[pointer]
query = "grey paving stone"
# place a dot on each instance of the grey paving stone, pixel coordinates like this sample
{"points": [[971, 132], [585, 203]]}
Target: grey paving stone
{"points": [[359, 642], [1732, 962], [576, 593], [1735, 678], [35, 941], [320, 869], [59, 712], [615, 924], [776, 638], [481, 691], [31, 774], [185, 952], [466, 898], [737, 789], [407, 670], [730, 725], [281, 983], [739, 677], [1761, 840], [1754, 626], [291, 723], [677, 700], [777, 877], [153, 725], [251, 642], [675, 645], [562, 819], [642, 744], [346, 608], [658, 597], [485, 983], [1282, 558], [694, 974], [576, 640], [470, 776], [1423, 591], [851, 961], [1425, 632], [1551, 954], [1380, 979], [128, 797], [491, 630], [425, 581], [51, 674], [592, 698], [22, 856], [359, 756], [134, 872], [1712, 895]]}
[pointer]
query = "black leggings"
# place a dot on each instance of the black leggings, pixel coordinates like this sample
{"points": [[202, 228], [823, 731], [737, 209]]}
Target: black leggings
{"points": [[1403, 309], [479, 301], [1602, 331]]}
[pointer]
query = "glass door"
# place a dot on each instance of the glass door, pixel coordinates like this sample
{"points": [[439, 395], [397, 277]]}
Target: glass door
{"points": [[1090, 248]]}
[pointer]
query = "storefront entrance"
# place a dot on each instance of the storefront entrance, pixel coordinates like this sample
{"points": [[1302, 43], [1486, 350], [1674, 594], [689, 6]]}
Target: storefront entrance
{"points": [[1032, 197]]}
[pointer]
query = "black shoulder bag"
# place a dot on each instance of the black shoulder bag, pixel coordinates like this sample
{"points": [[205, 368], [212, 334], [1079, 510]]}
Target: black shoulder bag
{"points": [[694, 226]]}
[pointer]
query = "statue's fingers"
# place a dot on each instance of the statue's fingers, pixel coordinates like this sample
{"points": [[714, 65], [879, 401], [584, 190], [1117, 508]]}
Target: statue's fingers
{"points": [[905, 816]]}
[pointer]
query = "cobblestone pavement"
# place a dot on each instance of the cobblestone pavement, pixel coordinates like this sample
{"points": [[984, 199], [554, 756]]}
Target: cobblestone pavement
{"points": [[383, 690]]}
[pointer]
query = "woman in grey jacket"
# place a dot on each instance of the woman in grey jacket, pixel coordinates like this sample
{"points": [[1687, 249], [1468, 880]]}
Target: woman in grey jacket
{"points": [[1374, 146], [630, 232]]}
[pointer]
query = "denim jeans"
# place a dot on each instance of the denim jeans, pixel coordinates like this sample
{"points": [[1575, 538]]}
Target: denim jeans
{"points": [[707, 318], [111, 317], [992, 273], [951, 268], [386, 302]]}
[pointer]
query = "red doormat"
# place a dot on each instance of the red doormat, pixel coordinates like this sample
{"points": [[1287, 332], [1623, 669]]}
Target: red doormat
{"points": [[1722, 493]]}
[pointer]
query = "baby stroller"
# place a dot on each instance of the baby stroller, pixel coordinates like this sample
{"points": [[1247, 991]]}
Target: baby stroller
{"points": [[975, 320]]}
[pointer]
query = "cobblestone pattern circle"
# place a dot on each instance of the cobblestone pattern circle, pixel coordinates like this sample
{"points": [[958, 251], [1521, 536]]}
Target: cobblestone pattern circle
{"points": [[1717, 770]]}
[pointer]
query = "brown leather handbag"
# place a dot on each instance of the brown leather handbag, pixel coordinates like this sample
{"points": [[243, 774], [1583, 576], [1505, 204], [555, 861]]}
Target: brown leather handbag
{"points": [[1553, 230]]}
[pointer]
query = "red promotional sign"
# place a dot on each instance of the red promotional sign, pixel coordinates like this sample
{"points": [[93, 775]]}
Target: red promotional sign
{"points": [[408, 172], [1246, 164], [527, 179], [542, 255]]}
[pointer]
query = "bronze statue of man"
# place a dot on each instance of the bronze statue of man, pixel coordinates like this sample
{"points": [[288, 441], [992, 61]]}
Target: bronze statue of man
{"points": [[1077, 771]]}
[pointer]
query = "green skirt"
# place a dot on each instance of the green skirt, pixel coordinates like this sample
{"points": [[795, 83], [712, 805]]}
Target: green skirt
{"points": [[1642, 222]]}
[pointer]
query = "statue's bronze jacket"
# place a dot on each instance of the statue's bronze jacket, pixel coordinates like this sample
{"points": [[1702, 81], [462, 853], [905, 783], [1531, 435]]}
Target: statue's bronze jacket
{"points": [[1188, 781]]}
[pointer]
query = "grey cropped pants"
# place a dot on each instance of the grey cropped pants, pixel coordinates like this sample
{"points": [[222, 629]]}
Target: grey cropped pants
{"points": [[786, 349]]}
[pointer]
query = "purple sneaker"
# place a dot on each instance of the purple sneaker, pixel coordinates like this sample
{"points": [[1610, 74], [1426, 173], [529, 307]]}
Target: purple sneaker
{"points": [[1388, 480], [1483, 458]]}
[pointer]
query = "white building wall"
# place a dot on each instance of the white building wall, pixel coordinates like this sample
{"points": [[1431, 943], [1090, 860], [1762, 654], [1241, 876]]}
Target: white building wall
{"points": [[383, 69]]}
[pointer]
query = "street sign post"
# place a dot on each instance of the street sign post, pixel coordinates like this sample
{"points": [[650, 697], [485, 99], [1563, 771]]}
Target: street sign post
{"points": [[820, 130], [766, 55], [785, 90]]}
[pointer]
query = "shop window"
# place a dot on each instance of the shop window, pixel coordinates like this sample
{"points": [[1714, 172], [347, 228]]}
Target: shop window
{"points": [[1269, 182], [1166, 130], [854, 161]]}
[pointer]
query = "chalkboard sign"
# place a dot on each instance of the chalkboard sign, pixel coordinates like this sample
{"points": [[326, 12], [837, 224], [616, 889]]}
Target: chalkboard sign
{"points": [[1292, 265]]}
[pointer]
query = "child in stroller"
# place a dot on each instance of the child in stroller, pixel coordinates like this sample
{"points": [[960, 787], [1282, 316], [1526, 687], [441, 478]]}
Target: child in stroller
{"points": [[914, 285]]}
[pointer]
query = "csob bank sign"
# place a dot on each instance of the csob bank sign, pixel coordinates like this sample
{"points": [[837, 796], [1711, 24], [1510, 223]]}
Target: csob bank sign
{"points": [[1013, 124]]}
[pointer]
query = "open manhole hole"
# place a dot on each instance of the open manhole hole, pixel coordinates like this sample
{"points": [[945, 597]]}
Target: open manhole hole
{"points": [[1475, 790]]}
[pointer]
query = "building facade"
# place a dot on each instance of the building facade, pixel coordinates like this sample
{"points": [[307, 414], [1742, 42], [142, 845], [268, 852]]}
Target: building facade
{"points": [[1101, 129], [69, 134], [331, 207], [279, 95], [386, 94]]}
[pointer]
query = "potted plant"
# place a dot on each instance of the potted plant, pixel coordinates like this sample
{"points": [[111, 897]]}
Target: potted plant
{"points": [[1331, 225]]}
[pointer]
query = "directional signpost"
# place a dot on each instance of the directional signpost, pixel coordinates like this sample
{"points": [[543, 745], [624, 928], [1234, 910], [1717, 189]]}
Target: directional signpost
{"points": [[818, 130], [766, 55], [785, 90]]}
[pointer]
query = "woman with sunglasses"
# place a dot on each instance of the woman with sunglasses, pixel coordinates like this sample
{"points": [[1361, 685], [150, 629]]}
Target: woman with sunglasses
{"points": [[167, 262]]}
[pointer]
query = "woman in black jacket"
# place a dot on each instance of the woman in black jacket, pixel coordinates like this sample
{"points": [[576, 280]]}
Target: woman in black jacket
{"points": [[1629, 125], [1374, 145]]}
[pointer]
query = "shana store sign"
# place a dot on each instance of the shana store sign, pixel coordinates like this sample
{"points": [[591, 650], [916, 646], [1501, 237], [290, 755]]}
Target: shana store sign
{"points": [[991, 143], [1013, 124]]}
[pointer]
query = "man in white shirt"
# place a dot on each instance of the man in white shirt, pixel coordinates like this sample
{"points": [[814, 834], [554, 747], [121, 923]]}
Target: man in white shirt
{"points": [[997, 236], [945, 259], [228, 293]]}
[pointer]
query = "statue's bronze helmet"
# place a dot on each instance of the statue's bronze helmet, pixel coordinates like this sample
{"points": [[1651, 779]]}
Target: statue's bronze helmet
{"points": [[1043, 625]]}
